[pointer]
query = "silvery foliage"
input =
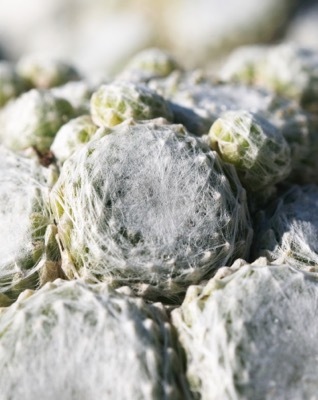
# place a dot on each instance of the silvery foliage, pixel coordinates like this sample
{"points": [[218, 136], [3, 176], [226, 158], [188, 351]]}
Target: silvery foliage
{"points": [[73, 341], [251, 333], [254, 146], [197, 102], [148, 64], [115, 102], [11, 85], [33, 119], [149, 206], [44, 72], [24, 216], [287, 69], [287, 231], [77, 93]]}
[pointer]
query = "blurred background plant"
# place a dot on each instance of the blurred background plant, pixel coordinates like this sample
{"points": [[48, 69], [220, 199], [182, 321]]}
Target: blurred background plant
{"points": [[100, 36]]}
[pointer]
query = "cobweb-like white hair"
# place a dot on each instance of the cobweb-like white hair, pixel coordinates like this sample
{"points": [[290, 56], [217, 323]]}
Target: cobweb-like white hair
{"points": [[254, 146], [288, 69], [72, 341], [151, 207], [287, 231], [24, 217], [252, 335]]}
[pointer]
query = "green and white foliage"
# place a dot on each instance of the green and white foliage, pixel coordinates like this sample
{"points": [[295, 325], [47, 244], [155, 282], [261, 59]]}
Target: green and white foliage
{"points": [[33, 119], [45, 72], [71, 136], [77, 93], [113, 103], [27, 251], [151, 207], [287, 230], [148, 64], [244, 64], [299, 128], [251, 333], [198, 101], [254, 146], [73, 341], [287, 69], [11, 85]]}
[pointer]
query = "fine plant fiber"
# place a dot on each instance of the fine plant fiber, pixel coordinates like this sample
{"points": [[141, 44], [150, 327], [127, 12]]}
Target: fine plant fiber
{"points": [[288, 69], [206, 100], [115, 102], [24, 216], [73, 341], [252, 335], [287, 231], [254, 146], [151, 207], [32, 120]]}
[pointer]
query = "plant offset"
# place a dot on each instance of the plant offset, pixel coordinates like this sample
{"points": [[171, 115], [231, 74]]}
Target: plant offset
{"points": [[158, 230]]}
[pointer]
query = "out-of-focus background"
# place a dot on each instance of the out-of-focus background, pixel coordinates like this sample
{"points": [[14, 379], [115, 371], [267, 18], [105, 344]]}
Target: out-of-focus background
{"points": [[99, 36]]}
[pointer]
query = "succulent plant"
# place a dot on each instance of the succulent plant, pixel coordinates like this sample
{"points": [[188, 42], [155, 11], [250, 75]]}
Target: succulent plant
{"points": [[148, 64], [287, 69], [287, 230], [33, 119], [244, 64], [113, 103], [11, 85], [254, 146], [198, 101], [77, 93], [71, 136], [43, 73], [244, 336], [151, 207], [28, 248], [74, 341]]}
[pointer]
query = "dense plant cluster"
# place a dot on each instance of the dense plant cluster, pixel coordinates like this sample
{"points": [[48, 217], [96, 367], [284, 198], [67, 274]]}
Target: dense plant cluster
{"points": [[158, 231]]}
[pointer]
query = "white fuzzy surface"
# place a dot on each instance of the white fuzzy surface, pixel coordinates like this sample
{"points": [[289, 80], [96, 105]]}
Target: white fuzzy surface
{"points": [[115, 102], [254, 146], [23, 195], [287, 231], [252, 334], [45, 72], [197, 101], [77, 93], [288, 69], [10, 83], [149, 205], [33, 120], [71, 341], [147, 64], [71, 136]]}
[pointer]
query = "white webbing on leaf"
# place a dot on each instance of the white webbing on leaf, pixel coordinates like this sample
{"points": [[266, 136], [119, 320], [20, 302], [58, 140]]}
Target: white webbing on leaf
{"points": [[149, 204], [288, 69], [287, 231], [254, 146], [77, 342], [252, 335], [23, 219]]}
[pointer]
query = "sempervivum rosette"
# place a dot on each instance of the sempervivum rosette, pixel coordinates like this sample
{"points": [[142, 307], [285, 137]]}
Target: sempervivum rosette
{"points": [[73, 341], [286, 232], [254, 146], [27, 250], [244, 334], [116, 102], [33, 119], [149, 206]]}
